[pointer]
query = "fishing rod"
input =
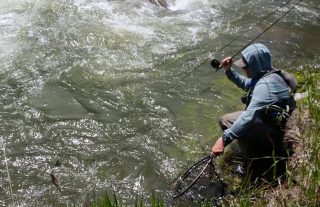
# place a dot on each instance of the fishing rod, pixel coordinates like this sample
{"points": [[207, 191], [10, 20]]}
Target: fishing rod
{"points": [[215, 63]]}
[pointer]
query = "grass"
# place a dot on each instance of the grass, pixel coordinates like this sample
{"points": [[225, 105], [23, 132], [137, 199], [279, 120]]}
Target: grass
{"points": [[303, 185], [8, 173], [115, 202], [302, 188], [310, 167]]}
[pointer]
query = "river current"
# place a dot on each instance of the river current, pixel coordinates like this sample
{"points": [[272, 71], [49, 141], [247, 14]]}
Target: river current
{"points": [[101, 87]]}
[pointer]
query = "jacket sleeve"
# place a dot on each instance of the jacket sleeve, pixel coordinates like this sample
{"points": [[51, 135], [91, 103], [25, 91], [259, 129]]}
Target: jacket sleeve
{"points": [[241, 81], [260, 98]]}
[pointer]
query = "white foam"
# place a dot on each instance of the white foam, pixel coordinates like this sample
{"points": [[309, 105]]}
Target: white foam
{"points": [[180, 5]]}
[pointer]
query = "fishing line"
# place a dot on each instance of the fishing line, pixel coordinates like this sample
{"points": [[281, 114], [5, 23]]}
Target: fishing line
{"points": [[215, 63]]}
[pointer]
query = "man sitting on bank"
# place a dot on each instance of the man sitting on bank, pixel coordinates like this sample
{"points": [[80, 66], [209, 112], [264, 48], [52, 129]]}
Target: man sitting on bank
{"points": [[269, 101]]}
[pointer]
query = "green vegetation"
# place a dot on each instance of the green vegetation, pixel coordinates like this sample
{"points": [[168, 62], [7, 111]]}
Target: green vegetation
{"points": [[107, 202], [307, 172], [302, 188]]}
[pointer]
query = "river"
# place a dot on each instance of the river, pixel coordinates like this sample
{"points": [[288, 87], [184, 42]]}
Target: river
{"points": [[98, 86]]}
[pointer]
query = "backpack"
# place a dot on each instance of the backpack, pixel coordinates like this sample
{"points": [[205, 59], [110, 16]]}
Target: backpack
{"points": [[288, 78], [278, 113]]}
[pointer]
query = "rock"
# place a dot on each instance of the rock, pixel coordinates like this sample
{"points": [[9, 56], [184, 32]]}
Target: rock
{"points": [[162, 3], [298, 96], [55, 174]]}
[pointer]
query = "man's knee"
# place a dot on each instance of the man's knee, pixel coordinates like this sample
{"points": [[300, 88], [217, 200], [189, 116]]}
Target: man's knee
{"points": [[223, 122], [226, 121]]}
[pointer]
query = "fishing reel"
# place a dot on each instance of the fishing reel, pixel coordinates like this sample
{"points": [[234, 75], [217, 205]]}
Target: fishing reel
{"points": [[215, 64]]}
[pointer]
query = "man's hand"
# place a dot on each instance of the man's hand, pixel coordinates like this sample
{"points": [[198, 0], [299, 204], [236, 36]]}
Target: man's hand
{"points": [[226, 63], [218, 147]]}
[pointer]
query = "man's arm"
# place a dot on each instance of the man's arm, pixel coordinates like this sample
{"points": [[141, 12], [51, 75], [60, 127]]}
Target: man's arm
{"points": [[241, 81], [261, 97], [234, 76]]}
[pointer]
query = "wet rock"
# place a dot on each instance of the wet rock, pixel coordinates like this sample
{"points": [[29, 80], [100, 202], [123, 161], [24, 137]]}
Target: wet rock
{"points": [[55, 174], [162, 3]]}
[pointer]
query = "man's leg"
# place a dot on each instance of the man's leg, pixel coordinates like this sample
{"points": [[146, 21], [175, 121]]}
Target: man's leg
{"points": [[233, 152], [227, 120], [260, 141], [261, 145]]}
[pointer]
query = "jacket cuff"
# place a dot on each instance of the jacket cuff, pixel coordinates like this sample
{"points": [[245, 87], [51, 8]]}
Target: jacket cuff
{"points": [[226, 140], [229, 73]]}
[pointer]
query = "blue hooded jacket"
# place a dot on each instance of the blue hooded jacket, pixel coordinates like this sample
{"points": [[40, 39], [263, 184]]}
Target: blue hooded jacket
{"points": [[267, 90]]}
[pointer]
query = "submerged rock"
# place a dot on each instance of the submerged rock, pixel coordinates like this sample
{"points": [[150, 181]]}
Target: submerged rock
{"points": [[162, 3]]}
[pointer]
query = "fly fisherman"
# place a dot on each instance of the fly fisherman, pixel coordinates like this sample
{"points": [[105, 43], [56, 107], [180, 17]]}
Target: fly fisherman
{"points": [[269, 101]]}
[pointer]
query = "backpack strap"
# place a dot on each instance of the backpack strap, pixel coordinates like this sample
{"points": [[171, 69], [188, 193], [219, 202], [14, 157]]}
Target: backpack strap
{"points": [[290, 80]]}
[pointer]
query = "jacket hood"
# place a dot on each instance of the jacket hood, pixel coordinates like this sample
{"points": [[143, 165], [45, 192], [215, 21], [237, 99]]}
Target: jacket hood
{"points": [[258, 58]]}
